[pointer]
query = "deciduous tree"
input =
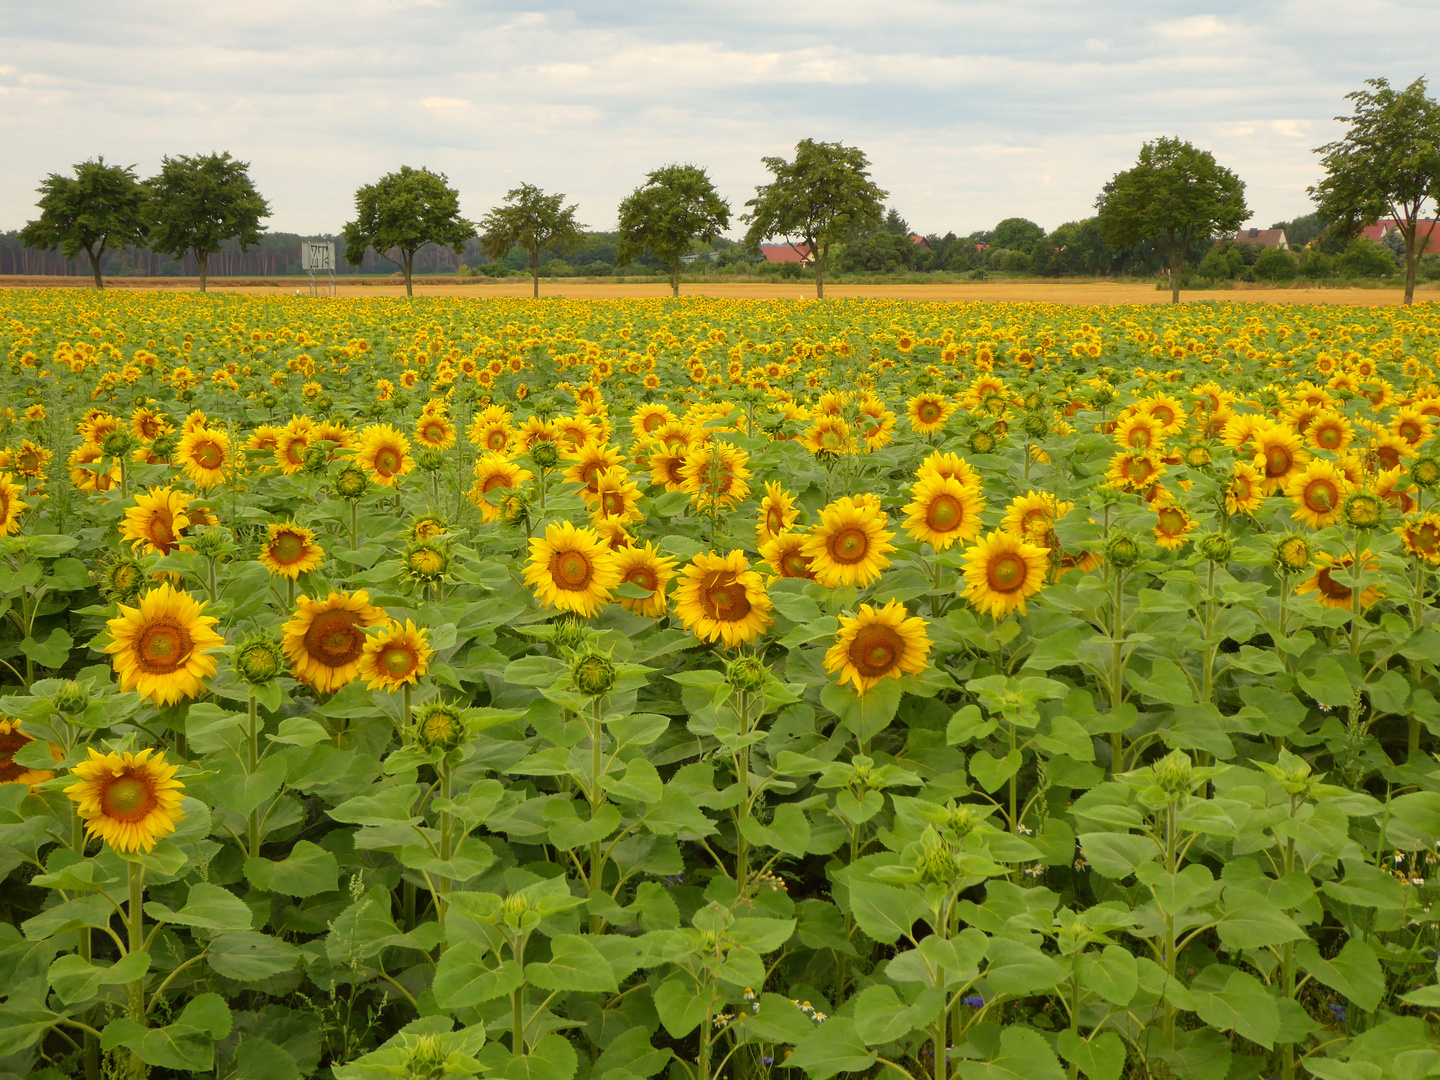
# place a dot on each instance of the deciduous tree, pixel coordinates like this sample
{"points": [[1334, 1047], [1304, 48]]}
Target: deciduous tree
{"points": [[675, 206], [199, 202], [825, 193], [530, 220], [402, 212], [102, 206], [1173, 194], [1388, 163]]}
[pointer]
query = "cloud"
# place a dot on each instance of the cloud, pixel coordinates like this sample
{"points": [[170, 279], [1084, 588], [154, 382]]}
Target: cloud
{"points": [[970, 112]]}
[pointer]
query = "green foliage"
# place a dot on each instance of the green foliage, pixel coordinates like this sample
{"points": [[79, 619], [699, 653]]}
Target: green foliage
{"points": [[199, 202], [676, 206], [530, 220], [101, 206], [403, 212]]}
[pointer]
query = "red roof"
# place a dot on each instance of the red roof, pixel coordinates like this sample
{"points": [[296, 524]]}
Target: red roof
{"points": [[785, 253], [1426, 237], [1269, 238], [919, 241]]}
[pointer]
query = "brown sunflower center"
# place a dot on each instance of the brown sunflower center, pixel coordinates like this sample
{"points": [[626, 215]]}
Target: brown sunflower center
{"points": [[1006, 572], [1170, 522], [928, 412], [433, 432], [725, 599], [642, 576], [496, 439], [163, 646], [613, 503], [1321, 496], [398, 661], [571, 570], [1277, 461], [1388, 456], [774, 521], [1137, 470], [653, 421], [944, 514], [209, 455], [1328, 436], [1329, 586], [495, 480], [127, 798], [387, 461], [848, 545], [295, 451], [1140, 438], [334, 638], [1426, 538], [11, 741], [162, 533], [876, 650], [288, 548]]}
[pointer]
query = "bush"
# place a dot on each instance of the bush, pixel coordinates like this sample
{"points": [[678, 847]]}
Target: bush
{"points": [[1009, 261], [557, 268], [1222, 262], [1365, 258], [1275, 265], [1314, 265]]}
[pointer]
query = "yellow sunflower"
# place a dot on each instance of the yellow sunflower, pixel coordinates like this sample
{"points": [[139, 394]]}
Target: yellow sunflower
{"points": [[649, 419], [265, 439], [850, 545], [384, 453], [943, 511], [204, 455], [161, 646], [290, 447], [11, 505], [1172, 526], [11, 740], [590, 461], [1033, 515], [715, 474], [148, 425], [1246, 489], [721, 599], [1420, 536], [644, 567], [1317, 492], [878, 643], [324, 638], [290, 550], [665, 463], [92, 479], [157, 521], [1134, 470], [1329, 430], [131, 800], [616, 497], [395, 657], [1001, 571], [571, 569], [786, 556], [928, 412], [830, 435], [1140, 432], [495, 472], [1278, 456], [777, 512], [1333, 594], [939, 464]]}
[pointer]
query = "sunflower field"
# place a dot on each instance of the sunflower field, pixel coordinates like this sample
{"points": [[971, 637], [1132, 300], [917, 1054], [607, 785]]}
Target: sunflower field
{"points": [[717, 690]]}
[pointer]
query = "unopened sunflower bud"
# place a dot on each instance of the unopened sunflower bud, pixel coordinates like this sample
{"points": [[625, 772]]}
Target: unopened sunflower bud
{"points": [[1292, 554], [438, 726], [426, 1059], [258, 660], [429, 459], [746, 674], [426, 562], [117, 443], [1122, 550], [592, 673], [165, 445], [1103, 397], [1037, 425], [120, 579], [212, 541], [1425, 471], [1198, 455], [981, 442], [1215, 547], [544, 455], [1174, 772], [351, 482], [570, 634], [1363, 510], [316, 458], [72, 698]]}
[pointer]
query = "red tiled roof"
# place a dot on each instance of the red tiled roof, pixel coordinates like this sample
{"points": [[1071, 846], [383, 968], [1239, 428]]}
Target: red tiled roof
{"points": [[1426, 235], [1270, 238], [784, 253]]}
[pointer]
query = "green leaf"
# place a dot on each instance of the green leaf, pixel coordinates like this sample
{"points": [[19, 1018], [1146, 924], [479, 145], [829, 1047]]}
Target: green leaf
{"points": [[307, 871], [50, 653], [1117, 855], [990, 772], [863, 715], [1328, 683], [1414, 820], [75, 979], [574, 964], [186, 1045], [1020, 970], [463, 979], [1167, 683], [300, 731], [551, 1058], [881, 1017], [967, 725], [788, 831], [208, 907], [1017, 1053], [247, 956], [1253, 923], [631, 1053], [1355, 971], [261, 1059], [680, 1006], [1100, 1057], [1111, 973], [778, 1021], [1234, 1000], [884, 912], [832, 1047]]}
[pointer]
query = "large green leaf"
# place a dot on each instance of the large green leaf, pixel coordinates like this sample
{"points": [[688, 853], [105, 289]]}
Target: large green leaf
{"points": [[885, 912], [574, 964], [1234, 1000], [1117, 855], [74, 978], [1014, 1053], [1100, 1057], [1111, 973], [1019, 969], [307, 870], [1354, 971], [464, 979], [832, 1047], [246, 955], [208, 907]]}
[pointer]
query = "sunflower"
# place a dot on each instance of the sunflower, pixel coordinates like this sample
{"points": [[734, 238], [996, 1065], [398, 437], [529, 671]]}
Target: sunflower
{"points": [[571, 569], [1132, 470], [435, 430], [265, 439], [1329, 430], [927, 413], [649, 419], [777, 512], [92, 479], [590, 460], [10, 505], [939, 464], [878, 643], [157, 521], [715, 474], [850, 545], [1387, 487], [574, 433], [494, 472], [11, 740], [665, 463], [1172, 526], [1420, 536], [721, 599], [204, 455], [131, 800], [161, 646], [943, 511], [290, 447], [324, 638], [1387, 450], [1330, 592], [384, 453], [1245, 491], [493, 433], [1165, 409], [786, 556], [829, 435], [1317, 491], [1140, 432], [148, 425], [616, 497], [1001, 571], [290, 550], [1278, 455], [536, 429], [1033, 516], [644, 567], [30, 460], [395, 657]]}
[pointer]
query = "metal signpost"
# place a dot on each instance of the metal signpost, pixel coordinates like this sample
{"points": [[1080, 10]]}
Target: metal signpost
{"points": [[318, 256]]}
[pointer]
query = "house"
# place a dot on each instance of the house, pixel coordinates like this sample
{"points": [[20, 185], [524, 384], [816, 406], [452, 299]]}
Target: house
{"points": [[787, 253], [1427, 238], [1265, 238], [921, 244]]}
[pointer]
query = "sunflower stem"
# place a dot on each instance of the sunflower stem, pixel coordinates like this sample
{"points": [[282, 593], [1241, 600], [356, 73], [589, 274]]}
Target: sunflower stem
{"points": [[135, 991], [90, 1051], [354, 524], [447, 836], [1117, 675], [252, 761]]}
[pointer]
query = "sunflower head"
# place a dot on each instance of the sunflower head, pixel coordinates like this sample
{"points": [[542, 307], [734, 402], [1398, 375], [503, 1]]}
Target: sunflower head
{"points": [[1215, 547], [72, 699], [118, 443], [545, 455], [259, 659], [1363, 510], [426, 562], [351, 482], [1122, 550], [1036, 425], [592, 672], [213, 541], [438, 726], [1174, 774], [430, 459], [1292, 554], [1425, 471], [121, 578], [746, 674], [1198, 455], [129, 800], [981, 442], [317, 456]]}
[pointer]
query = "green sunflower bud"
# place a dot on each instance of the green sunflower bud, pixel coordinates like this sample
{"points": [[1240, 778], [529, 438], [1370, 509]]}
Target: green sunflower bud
{"points": [[426, 562], [72, 698], [317, 456], [1425, 471], [258, 660], [981, 442], [429, 459], [592, 673], [1215, 547], [1103, 397], [121, 579], [1198, 455], [1174, 774], [351, 482], [545, 455], [1292, 554], [212, 541], [746, 674], [1122, 550], [426, 1059], [1363, 510], [117, 443], [438, 726], [1037, 425]]}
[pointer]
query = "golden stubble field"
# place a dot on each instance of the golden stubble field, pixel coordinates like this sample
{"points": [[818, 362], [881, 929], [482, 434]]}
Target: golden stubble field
{"points": [[1101, 292]]}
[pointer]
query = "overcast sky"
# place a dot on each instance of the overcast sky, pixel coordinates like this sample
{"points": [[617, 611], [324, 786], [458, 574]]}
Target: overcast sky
{"points": [[969, 112]]}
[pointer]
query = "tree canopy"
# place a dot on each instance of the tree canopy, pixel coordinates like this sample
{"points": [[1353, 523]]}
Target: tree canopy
{"points": [[1173, 194], [1387, 163], [403, 212], [199, 202], [530, 220], [817, 199], [676, 206], [101, 206]]}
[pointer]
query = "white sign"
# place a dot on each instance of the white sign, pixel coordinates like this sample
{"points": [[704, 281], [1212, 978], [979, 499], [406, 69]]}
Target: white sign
{"points": [[317, 255]]}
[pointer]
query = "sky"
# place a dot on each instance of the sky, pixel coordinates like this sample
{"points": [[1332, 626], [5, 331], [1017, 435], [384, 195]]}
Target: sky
{"points": [[970, 112]]}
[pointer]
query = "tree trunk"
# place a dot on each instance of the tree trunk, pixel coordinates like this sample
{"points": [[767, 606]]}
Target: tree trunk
{"points": [[675, 278], [535, 271], [1412, 260], [95, 265], [409, 273], [1177, 263], [203, 258], [820, 261]]}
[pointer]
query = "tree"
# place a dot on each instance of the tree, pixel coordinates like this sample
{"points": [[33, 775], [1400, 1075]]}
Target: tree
{"points": [[101, 206], [1174, 194], [403, 212], [197, 203], [1387, 163], [675, 206], [530, 220], [818, 198], [1017, 234]]}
